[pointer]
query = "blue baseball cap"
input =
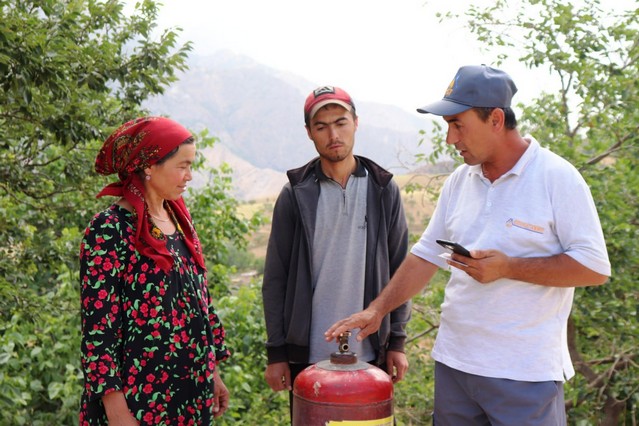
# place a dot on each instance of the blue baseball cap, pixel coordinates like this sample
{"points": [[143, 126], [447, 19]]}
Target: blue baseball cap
{"points": [[474, 86]]}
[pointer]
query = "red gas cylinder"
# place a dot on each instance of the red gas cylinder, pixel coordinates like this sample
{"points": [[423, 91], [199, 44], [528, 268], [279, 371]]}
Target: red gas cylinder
{"points": [[341, 390]]}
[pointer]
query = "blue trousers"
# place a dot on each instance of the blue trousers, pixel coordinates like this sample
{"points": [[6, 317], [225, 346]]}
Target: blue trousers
{"points": [[463, 399]]}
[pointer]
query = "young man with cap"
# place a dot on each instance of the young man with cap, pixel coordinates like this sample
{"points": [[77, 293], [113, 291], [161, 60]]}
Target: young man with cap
{"points": [[338, 234], [530, 223]]}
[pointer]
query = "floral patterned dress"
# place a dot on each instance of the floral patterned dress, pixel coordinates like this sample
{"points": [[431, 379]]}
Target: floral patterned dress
{"points": [[153, 335]]}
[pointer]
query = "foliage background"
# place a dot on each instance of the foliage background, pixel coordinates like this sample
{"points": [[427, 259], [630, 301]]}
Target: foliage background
{"points": [[72, 70]]}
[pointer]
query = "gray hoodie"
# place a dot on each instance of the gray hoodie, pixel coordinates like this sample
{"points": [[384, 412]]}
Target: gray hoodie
{"points": [[287, 287]]}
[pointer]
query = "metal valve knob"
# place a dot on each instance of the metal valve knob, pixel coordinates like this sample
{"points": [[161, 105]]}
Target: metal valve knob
{"points": [[343, 342], [344, 355]]}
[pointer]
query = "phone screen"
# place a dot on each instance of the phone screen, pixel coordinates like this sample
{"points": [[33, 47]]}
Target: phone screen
{"points": [[455, 247]]}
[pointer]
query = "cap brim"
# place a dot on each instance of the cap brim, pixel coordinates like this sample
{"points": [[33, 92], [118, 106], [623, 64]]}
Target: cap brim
{"points": [[444, 107]]}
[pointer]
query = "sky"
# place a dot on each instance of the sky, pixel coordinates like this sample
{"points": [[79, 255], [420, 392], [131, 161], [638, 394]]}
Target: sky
{"points": [[392, 52]]}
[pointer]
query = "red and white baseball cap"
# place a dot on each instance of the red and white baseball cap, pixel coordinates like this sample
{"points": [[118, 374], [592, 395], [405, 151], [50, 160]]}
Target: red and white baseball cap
{"points": [[323, 96]]}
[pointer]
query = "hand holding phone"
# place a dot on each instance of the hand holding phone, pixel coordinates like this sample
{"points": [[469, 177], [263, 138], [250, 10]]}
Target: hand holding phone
{"points": [[454, 247]]}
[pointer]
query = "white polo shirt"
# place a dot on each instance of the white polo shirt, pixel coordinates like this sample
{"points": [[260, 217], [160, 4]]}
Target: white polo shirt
{"points": [[512, 329]]}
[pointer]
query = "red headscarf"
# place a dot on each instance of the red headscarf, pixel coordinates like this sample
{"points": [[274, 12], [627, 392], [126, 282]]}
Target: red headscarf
{"points": [[135, 146]]}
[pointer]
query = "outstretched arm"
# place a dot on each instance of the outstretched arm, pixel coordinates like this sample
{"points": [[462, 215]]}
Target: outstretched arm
{"points": [[411, 277], [559, 270]]}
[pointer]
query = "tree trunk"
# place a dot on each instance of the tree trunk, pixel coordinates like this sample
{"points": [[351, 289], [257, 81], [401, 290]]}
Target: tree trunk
{"points": [[612, 408]]}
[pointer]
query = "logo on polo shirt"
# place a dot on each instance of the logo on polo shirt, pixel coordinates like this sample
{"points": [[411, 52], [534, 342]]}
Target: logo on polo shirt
{"points": [[523, 225]]}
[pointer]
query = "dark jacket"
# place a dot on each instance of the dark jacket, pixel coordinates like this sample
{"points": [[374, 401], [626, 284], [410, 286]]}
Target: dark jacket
{"points": [[287, 287]]}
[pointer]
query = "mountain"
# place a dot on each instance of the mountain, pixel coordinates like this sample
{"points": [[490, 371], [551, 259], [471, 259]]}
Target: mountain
{"points": [[256, 112]]}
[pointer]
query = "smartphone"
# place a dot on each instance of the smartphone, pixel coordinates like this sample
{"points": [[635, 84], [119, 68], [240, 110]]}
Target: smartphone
{"points": [[455, 247]]}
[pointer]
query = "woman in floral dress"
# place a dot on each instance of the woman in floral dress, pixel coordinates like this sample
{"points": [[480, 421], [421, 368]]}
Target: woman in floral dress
{"points": [[151, 338]]}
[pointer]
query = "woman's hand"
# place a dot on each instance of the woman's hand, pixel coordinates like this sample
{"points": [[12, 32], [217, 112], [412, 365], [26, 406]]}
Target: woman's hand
{"points": [[117, 411], [220, 395]]}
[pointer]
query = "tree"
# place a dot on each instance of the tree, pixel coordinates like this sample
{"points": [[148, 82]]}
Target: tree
{"points": [[70, 72], [592, 119]]}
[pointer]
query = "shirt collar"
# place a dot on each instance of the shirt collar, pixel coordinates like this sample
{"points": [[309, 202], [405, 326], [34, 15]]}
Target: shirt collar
{"points": [[360, 170], [520, 166], [529, 154]]}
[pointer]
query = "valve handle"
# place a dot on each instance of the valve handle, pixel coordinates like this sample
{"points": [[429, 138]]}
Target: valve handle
{"points": [[343, 342], [344, 355]]}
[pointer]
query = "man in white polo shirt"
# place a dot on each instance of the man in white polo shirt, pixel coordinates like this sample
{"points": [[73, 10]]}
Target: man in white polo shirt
{"points": [[530, 223]]}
